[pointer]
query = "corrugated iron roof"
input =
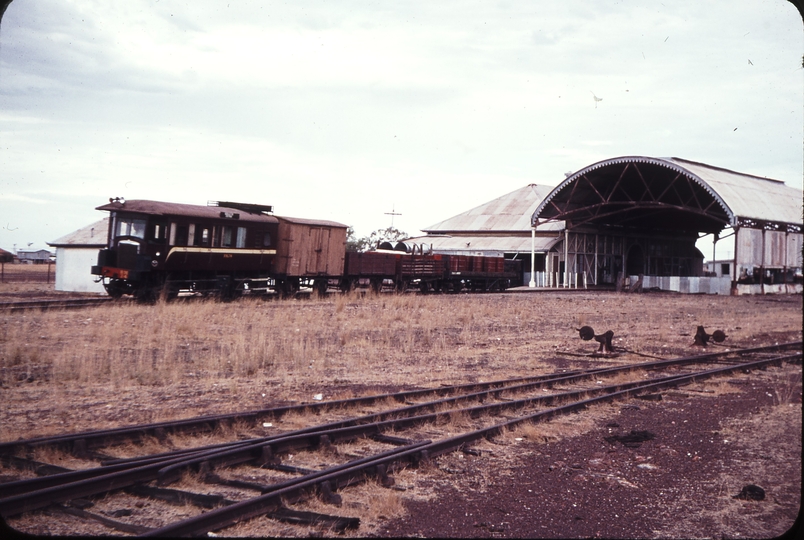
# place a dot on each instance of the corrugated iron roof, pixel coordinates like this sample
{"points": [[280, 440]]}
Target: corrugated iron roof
{"points": [[485, 244], [511, 212], [749, 196], [738, 195], [93, 235]]}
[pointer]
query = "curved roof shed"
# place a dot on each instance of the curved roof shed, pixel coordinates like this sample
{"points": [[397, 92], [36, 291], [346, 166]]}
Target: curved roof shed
{"points": [[671, 194]]}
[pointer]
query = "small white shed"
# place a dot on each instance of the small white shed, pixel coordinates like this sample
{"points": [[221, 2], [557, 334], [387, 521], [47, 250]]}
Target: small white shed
{"points": [[75, 255]]}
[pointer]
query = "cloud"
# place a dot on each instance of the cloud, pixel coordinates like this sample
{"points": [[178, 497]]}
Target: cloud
{"points": [[343, 111], [15, 197]]}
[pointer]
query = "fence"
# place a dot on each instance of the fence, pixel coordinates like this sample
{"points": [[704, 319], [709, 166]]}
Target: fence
{"points": [[27, 273]]}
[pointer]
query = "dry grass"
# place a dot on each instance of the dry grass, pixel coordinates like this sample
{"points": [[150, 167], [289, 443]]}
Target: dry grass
{"points": [[564, 426], [120, 363]]}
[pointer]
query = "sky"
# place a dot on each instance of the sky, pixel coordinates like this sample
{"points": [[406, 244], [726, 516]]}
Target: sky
{"points": [[353, 110]]}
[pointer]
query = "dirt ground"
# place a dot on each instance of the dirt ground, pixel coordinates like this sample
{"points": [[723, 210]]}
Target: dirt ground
{"points": [[679, 484], [709, 440]]}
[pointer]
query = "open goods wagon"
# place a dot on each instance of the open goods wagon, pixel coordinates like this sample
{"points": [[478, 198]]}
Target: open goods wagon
{"points": [[428, 272]]}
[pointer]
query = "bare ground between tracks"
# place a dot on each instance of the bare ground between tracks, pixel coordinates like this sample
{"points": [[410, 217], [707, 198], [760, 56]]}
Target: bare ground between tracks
{"points": [[560, 480]]}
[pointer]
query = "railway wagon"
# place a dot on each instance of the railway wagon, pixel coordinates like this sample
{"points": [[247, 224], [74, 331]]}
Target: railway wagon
{"points": [[374, 267], [225, 247], [405, 268], [309, 252]]}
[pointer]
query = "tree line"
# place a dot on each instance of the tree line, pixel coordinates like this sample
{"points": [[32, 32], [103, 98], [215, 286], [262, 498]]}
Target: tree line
{"points": [[370, 242]]}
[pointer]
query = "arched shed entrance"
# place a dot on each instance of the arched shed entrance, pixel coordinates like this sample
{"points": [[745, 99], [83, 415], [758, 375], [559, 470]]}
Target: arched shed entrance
{"points": [[637, 215]]}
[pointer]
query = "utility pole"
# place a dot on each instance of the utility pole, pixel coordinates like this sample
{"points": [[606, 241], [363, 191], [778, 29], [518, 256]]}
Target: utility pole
{"points": [[392, 213]]}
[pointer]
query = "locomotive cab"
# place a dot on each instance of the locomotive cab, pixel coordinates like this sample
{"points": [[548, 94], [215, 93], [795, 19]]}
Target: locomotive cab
{"points": [[136, 246], [155, 247]]}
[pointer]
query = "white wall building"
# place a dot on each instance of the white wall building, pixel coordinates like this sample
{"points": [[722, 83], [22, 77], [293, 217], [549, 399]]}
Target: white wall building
{"points": [[75, 255]]}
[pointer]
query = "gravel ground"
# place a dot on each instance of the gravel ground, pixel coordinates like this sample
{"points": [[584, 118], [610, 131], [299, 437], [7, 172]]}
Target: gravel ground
{"points": [[705, 446]]}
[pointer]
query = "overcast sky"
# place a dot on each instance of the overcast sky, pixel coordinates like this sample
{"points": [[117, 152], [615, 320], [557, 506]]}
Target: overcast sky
{"points": [[347, 110]]}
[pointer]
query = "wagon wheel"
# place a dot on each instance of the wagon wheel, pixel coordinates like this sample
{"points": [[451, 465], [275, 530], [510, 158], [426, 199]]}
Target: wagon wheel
{"points": [[320, 286], [170, 289], [114, 292], [376, 284], [230, 290], [345, 285], [424, 287], [146, 294], [168, 292], [287, 288], [114, 288], [401, 286]]}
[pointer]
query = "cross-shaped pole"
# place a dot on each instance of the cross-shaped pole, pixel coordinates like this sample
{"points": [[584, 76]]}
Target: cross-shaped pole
{"points": [[392, 213]]}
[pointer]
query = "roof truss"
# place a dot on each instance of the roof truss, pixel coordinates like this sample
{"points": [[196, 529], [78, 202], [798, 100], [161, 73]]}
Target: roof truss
{"points": [[631, 194]]}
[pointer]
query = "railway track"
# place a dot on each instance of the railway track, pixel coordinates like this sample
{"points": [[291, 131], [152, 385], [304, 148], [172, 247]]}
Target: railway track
{"points": [[78, 303], [44, 305], [313, 450]]}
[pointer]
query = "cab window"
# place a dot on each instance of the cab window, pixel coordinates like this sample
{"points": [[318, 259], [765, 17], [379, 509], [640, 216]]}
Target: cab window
{"points": [[202, 236], [227, 234], [262, 239], [131, 227], [158, 233], [181, 235]]}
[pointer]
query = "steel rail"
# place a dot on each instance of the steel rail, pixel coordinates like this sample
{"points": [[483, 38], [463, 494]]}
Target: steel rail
{"points": [[27, 495], [83, 440], [166, 472], [230, 515], [44, 305], [192, 455], [95, 438]]}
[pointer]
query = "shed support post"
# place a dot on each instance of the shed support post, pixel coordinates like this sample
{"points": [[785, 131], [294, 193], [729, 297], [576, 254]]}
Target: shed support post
{"points": [[714, 250], [532, 257], [566, 257], [762, 267], [736, 243], [784, 268]]}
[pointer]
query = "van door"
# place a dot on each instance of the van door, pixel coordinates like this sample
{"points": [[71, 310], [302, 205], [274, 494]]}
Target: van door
{"points": [[319, 243]]}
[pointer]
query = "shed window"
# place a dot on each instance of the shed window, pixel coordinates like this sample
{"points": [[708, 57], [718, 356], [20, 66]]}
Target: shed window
{"points": [[725, 269]]}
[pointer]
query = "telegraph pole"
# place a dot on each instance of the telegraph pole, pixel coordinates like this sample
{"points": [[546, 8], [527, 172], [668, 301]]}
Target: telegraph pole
{"points": [[392, 213]]}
